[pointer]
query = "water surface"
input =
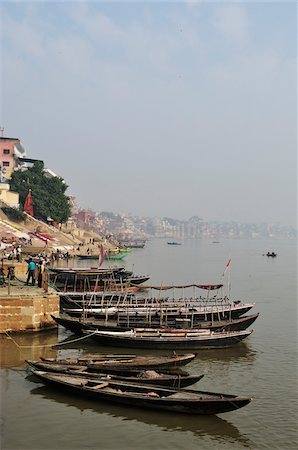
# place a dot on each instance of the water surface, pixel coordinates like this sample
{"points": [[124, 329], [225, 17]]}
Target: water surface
{"points": [[34, 416]]}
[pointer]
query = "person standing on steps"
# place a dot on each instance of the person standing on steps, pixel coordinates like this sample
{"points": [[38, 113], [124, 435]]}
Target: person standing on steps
{"points": [[41, 268], [31, 272]]}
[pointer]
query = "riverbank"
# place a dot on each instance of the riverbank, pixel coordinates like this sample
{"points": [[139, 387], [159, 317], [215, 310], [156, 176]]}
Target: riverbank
{"points": [[29, 308], [35, 237]]}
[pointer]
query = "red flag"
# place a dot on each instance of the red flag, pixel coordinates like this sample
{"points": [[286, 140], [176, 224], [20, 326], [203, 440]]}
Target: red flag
{"points": [[227, 266], [28, 206], [102, 254]]}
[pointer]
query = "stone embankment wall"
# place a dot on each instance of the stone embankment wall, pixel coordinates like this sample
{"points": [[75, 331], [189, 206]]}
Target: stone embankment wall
{"points": [[27, 311], [20, 268]]}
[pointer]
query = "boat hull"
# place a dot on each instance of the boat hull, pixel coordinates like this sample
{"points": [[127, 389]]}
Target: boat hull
{"points": [[139, 377], [77, 326], [127, 362], [171, 400], [169, 343]]}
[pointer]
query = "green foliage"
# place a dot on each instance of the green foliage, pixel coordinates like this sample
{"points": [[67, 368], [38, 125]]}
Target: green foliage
{"points": [[14, 214], [48, 193]]}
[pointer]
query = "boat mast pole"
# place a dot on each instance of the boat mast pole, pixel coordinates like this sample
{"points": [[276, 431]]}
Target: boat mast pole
{"points": [[159, 301], [229, 282]]}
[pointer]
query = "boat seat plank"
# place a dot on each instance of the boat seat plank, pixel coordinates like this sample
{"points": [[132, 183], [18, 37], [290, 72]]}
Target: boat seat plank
{"points": [[99, 386]]}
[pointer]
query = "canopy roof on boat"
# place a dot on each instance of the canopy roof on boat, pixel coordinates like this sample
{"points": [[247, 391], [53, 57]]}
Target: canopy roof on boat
{"points": [[209, 287]]}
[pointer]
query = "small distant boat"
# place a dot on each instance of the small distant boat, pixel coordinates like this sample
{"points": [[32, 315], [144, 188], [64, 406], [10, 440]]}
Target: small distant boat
{"points": [[172, 400], [136, 243], [116, 256], [272, 254], [174, 243], [92, 256]]}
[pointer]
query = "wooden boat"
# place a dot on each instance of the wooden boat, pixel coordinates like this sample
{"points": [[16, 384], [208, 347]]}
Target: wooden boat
{"points": [[168, 339], [89, 270], [95, 279], [174, 243], [165, 312], [126, 362], [180, 321], [76, 325], [177, 380], [116, 256], [138, 279], [133, 244], [92, 256], [172, 400]]}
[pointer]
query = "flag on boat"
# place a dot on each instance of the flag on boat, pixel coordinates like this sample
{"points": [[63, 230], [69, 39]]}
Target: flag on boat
{"points": [[102, 254], [28, 206], [227, 266]]}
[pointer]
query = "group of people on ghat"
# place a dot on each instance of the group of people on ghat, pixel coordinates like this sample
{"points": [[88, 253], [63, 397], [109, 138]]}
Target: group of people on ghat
{"points": [[35, 271]]}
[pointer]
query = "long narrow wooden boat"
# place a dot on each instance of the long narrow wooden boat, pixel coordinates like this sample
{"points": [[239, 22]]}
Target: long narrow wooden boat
{"points": [[172, 400], [227, 324], [115, 257], [127, 362], [92, 256], [77, 325], [167, 313], [94, 278], [174, 339], [152, 377], [89, 270]]}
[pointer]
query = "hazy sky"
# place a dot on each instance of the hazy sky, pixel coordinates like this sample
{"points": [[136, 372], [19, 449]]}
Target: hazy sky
{"points": [[158, 109]]}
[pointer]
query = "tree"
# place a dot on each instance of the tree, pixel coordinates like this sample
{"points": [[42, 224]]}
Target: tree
{"points": [[48, 193]]}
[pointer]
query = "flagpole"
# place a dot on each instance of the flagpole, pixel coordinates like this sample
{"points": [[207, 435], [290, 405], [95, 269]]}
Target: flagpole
{"points": [[228, 288], [229, 281]]}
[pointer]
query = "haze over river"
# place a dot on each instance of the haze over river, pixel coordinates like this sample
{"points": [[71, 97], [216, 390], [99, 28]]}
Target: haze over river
{"points": [[264, 366]]}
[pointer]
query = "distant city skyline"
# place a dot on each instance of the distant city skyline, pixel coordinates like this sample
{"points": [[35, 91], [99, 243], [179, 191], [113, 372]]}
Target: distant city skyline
{"points": [[162, 109], [123, 226]]}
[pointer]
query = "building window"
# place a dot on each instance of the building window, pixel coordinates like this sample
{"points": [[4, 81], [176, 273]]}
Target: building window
{"points": [[6, 151], [5, 163]]}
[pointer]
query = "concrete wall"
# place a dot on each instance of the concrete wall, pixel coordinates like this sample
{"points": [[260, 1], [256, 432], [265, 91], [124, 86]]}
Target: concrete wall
{"points": [[28, 312], [20, 269], [8, 197]]}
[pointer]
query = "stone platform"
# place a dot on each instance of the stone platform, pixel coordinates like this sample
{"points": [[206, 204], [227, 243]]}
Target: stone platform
{"points": [[27, 308]]}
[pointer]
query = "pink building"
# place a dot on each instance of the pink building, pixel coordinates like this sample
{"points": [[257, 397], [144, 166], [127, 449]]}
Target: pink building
{"points": [[10, 150]]}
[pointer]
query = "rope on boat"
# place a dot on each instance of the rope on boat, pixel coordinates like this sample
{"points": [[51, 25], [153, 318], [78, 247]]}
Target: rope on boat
{"points": [[49, 345]]}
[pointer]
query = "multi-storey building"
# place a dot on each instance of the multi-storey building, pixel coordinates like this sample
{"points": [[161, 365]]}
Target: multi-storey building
{"points": [[11, 150]]}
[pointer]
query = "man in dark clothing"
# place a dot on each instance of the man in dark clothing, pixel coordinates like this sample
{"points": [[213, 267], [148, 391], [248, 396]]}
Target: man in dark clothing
{"points": [[31, 272]]}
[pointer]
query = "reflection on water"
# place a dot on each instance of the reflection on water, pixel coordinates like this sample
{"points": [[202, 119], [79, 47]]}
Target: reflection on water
{"points": [[243, 350], [18, 347], [212, 426]]}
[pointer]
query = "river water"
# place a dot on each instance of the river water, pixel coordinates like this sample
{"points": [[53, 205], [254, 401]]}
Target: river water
{"points": [[34, 416]]}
